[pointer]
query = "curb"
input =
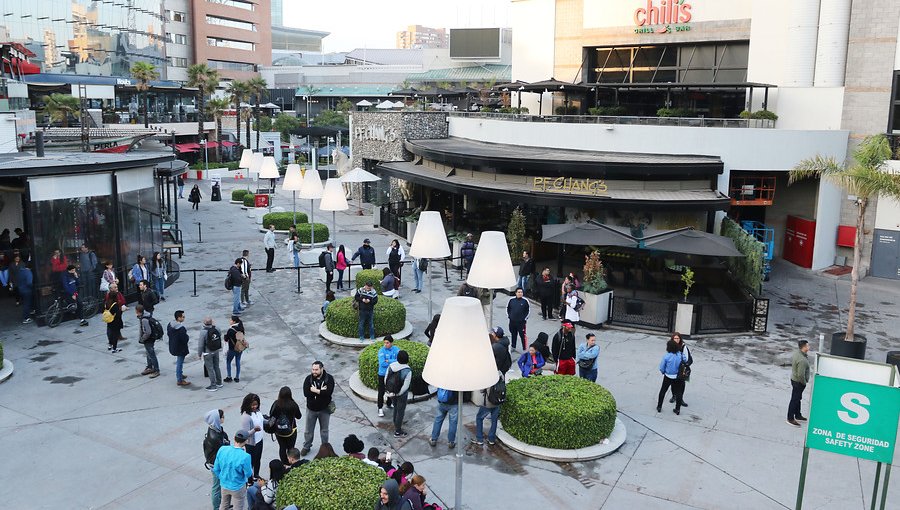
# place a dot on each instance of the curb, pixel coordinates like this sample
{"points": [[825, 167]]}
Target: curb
{"points": [[345, 341], [7, 370], [369, 395], [616, 440]]}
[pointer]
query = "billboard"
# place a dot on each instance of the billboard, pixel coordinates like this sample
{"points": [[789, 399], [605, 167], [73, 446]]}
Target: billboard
{"points": [[475, 43]]}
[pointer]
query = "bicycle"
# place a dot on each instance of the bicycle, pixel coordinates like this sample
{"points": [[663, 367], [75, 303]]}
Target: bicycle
{"points": [[63, 304]]}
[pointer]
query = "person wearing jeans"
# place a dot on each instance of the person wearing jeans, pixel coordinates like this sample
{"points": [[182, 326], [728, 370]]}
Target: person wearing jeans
{"points": [[669, 367], [236, 279], [246, 274], [588, 354], [178, 345], [799, 380], [210, 354], [317, 388], [446, 404], [145, 333], [420, 266], [485, 410], [366, 297], [237, 326], [400, 398], [232, 468], [387, 354]]}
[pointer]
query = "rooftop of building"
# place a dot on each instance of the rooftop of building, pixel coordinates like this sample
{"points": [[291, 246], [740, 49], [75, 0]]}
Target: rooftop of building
{"points": [[26, 164], [388, 56], [484, 72], [280, 29]]}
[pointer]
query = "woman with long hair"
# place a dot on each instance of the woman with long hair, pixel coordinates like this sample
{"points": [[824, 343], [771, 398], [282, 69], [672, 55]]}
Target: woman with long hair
{"points": [[286, 413], [395, 255], [108, 278], [231, 336], [340, 264], [139, 270], [669, 367], [158, 273], [194, 197], [325, 451], [252, 422], [115, 303]]}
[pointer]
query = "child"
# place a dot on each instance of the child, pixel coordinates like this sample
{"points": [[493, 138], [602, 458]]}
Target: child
{"points": [[329, 297]]}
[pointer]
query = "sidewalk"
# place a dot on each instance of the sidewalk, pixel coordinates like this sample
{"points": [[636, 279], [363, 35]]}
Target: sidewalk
{"points": [[88, 432]]}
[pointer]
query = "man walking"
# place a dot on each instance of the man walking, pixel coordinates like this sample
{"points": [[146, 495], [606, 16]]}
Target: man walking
{"points": [[387, 354], [563, 349], [209, 347], [269, 244], [396, 383], [517, 310], [70, 287], [148, 297], [799, 380], [180, 181], [246, 274], [486, 409], [232, 468], [178, 346], [236, 281], [526, 269], [148, 339], [366, 255], [446, 404], [588, 354], [366, 297], [328, 257], [317, 388]]}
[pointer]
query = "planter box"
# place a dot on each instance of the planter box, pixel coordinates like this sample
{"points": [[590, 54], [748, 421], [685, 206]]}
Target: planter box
{"points": [[684, 318], [376, 216], [841, 347], [596, 308]]}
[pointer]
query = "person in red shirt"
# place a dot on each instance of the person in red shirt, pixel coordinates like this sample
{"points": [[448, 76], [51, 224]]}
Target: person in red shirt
{"points": [[58, 265]]}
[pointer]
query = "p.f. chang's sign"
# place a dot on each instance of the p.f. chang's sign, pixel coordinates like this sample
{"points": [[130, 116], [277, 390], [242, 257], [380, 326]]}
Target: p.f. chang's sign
{"points": [[669, 16], [570, 185]]}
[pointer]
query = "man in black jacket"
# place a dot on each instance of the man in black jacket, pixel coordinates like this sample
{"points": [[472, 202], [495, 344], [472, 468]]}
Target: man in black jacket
{"points": [[148, 297], [328, 256], [178, 346], [526, 269], [500, 348], [517, 310], [563, 349], [366, 297], [317, 388], [236, 280], [366, 255]]}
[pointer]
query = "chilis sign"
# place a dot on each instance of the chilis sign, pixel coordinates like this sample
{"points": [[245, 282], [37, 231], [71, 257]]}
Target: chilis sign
{"points": [[669, 16]]}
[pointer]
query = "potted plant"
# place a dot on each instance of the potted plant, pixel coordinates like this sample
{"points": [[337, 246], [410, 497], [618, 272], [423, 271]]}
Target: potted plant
{"points": [[456, 239], [595, 291], [684, 311], [864, 177], [412, 219], [515, 240]]}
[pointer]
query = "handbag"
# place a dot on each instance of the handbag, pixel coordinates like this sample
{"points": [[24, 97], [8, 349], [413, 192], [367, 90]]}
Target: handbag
{"points": [[108, 316], [104, 285], [240, 343], [684, 371], [586, 364]]}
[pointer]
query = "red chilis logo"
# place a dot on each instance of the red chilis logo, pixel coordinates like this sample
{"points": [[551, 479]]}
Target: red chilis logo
{"points": [[668, 12]]}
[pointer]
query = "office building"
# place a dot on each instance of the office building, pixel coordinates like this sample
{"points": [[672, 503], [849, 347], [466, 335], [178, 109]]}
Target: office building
{"points": [[419, 37]]}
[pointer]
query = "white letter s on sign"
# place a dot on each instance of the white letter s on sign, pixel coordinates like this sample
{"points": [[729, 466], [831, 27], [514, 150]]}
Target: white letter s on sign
{"points": [[854, 403]]}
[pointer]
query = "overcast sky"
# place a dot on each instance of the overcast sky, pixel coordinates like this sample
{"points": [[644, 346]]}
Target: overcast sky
{"points": [[363, 23]]}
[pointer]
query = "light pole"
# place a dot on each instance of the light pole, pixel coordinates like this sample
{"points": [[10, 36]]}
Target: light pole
{"points": [[205, 156], [333, 199], [293, 181], [492, 266], [312, 189], [430, 242]]}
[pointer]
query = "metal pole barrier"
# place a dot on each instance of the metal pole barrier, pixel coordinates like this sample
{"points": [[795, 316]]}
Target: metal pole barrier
{"points": [[195, 282], [459, 450], [430, 287], [802, 483], [446, 272], [199, 233], [884, 489], [298, 281], [875, 490]]}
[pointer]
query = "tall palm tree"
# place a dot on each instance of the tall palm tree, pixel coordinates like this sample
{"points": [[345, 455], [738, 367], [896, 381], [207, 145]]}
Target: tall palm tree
{"points": [[215, 108], [864, 176], [257, 87], [205, 80], [60, 106], [144, 73], [237, 92]]}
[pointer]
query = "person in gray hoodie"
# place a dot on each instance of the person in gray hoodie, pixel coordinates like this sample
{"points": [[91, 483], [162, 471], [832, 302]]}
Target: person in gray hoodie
{"points": [[215, 439], [209, 347], [389, 497], [178, 346], [146, 339], [399, 398]]}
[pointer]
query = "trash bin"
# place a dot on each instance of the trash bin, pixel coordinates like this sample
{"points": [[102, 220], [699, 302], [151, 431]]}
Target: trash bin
{"points": [[893, 357], [216, 193]]}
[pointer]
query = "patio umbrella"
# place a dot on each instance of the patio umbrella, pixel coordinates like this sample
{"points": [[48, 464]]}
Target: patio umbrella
{"points": [[399, 104], [385, 105], [693, 242], [587, 234], [364, 103], [358, 175]]}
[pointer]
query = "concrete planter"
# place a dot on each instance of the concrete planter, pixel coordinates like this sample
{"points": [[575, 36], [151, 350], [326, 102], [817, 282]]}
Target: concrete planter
{"points": [[596, 307], [855, 349], [607, 447], [7, 370], [684, 318]]}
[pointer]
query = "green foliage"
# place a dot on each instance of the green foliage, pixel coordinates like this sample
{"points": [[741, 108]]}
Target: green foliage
{"points": [[418, 353], [371, 275], [608, 111], [515, 235], [571, 110], [284, 123], [341, 319], [237, 195], [264, 123], [687, 278], [304, 229], [334, 483], [514, 110], [594, 274], [283, 220], [60, 106], [231, 165], [759, 114], [344, 105], [676, 112], [250, 200], [558, 411], [748, 270], [331, 118]]}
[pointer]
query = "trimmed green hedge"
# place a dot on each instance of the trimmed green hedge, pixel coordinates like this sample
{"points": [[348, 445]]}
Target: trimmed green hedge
{"points": [[334, 483], [342, 319], [200, 165], [249, 200], [303, 230], [283, 220], [418, 353], [748, 270], [373, 275], [558, 411], [237, 195]]}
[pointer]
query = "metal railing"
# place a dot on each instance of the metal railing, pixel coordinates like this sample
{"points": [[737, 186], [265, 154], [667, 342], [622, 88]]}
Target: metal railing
{"points": [[625, 120], [643, 313], [723, 317]]}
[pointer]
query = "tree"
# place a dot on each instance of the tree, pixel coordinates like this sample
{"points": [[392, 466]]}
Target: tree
{"points": [[257, 87], [60, 106], [515, 234], [237, 92], [344, 105], [144, 73], [331, 118], [865, 176], [285, 123], [205, 80], [264, 123], [215, 108]]}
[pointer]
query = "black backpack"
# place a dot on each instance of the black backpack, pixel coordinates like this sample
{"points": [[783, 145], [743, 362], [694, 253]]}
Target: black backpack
{"points": [[423, 265], [156, 329], [322, 259], [211, 444], [283, 425], [393, 383], [228, 283], [496, 394], [213, 340]]}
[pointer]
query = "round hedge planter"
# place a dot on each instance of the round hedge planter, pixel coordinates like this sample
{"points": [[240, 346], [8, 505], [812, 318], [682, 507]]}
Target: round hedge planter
{"points": [[558, 411], [249, 200], [335, 483], [284, 220], [418, 353], [341, 319], [303, 231], [370, 275], [237, 195]]}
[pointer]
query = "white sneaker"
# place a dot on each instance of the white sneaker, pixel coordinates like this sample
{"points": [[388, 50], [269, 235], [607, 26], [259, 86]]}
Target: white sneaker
{"points": [[381, 412]]}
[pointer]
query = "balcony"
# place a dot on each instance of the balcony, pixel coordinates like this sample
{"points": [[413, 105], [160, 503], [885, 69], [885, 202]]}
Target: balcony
{"points": [[625, 120]]}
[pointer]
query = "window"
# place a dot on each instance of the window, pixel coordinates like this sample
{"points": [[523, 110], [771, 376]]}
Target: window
{"points": [[176, 16], [231, 23], [229, 43], [240, 4], [683, 63], [178, 62], [176, 38], [230, 66], [894, 113]]}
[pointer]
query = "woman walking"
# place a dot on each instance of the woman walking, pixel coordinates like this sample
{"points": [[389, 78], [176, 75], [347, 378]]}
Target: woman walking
{"points": [[234, 334], [340, 265], [158, 272], [286, 413], [252, 421], [115, 304], [194, 198], [108, 278], [395, 255], [688, 360], [546, 291], [668, 366]]}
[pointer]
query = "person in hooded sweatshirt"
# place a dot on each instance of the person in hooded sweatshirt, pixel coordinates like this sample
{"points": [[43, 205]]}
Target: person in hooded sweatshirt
{"points": [[402, 366], [500, 348], [178, 346], [389, 497], [215, 439]]}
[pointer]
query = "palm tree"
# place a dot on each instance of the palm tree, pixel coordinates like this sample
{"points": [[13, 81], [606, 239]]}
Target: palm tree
{"points": [[257, 87], [237, 91], [205, 80], [215, 108], [144, 73], [60, 106], [866, 177]]}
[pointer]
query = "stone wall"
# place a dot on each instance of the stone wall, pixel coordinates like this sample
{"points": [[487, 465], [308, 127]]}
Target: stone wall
{"points": [[379, 135]]}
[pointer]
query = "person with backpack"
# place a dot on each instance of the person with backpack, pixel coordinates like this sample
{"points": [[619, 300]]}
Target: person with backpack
{"points": [[563, 349], [389, 497], [395, 255], [416, 492], [517, 310], [209, 347], [327, 262], [364, 301], [530, 362], [286, 412], [178, 346], [366, 255], [688, 360], [387, 354], [317, 388], [572, 304], [236, 341], [246, 275], [232, 467], [397, 380], [147, 297], [233, 282], [149, 331], [215, 439], [446, 404], [540, 345], [587, 357], [114, 303], [500, 349], [467, 251], [669, 367], [340, 265], [489, 401], [70, 291]]}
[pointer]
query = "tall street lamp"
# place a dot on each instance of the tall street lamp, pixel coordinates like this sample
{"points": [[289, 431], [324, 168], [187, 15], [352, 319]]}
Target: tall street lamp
{"points": [[312, 189], [430, 242], [269, 170], [333, 199], [492, 267], [293, 182]]}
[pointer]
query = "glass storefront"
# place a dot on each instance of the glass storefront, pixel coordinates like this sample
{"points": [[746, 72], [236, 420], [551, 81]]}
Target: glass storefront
{"points": [[139, 220], [724, 62]]}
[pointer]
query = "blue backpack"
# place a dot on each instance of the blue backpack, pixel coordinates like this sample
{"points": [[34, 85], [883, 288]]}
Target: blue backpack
{"points": [[445, 396]]}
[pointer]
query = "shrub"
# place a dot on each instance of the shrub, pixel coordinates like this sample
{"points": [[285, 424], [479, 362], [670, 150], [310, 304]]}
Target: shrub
{"points": [[342, 319], [283, 220], [373, 275], [237, 195], [231, 165], [303, 230], [749, 269], [418, 353], [571, 110], [610, 111], [676, 112], [558, 411], [249, 200], [334, 483]]}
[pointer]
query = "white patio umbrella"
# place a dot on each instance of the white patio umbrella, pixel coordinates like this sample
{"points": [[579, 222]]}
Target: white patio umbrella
{"points": [[358, 175], [399, 104], [364, 103], [385, 105]]}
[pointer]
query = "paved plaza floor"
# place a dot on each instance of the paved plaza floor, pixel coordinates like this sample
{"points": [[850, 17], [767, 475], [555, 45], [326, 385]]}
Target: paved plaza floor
{"points": [[83, 430]]}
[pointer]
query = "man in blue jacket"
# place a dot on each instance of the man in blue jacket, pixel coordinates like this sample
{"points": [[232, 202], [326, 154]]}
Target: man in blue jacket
{"points": [[366, 255], [232, 468], [386, 356], [25, 286], [70, 287], [517, 309]]}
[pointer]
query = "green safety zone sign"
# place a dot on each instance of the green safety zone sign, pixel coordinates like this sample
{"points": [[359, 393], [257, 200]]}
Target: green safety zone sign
{"points": [[854, 418]]}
